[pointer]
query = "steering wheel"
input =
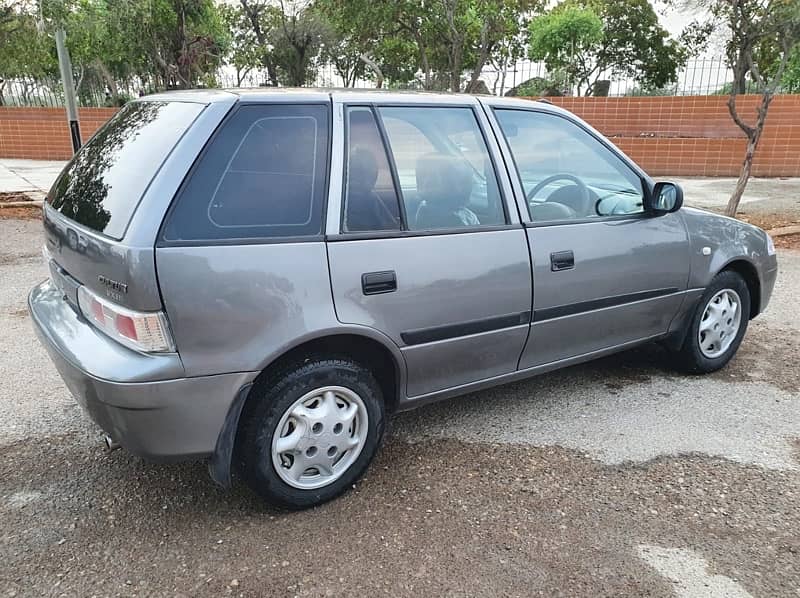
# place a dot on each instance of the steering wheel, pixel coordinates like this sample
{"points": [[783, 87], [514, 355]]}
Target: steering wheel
{"points": [[584, 198]]}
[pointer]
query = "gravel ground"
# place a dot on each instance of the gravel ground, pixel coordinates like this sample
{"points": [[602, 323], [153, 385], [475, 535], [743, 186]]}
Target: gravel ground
{"points": [[612, 478]]}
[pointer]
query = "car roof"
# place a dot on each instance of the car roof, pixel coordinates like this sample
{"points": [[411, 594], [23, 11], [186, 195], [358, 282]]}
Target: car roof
{"points": [[347, 95]]}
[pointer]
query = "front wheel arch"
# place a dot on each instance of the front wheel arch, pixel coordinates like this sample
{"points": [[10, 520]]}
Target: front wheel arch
{"points": [[748, 272]]}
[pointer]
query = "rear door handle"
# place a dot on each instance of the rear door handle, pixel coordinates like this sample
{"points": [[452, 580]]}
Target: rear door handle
{"points": [[376, 283], [562, 260]]}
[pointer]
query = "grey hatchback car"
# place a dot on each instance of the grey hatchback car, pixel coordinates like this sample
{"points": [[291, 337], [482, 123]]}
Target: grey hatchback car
{"points": [[258, 278]]}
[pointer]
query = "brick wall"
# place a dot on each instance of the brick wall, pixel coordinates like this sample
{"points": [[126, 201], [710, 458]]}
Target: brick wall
{"points": [[42, 133], [694, 135], [688, 135]]}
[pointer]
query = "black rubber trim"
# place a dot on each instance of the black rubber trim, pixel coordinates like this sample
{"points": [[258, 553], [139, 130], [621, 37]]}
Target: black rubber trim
{"points": [[219, 466], [399, 234], [439, 333], [572, 309]]}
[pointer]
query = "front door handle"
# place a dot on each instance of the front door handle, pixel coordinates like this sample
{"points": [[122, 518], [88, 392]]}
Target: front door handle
{"points": [[562, 260], [376, 283]]}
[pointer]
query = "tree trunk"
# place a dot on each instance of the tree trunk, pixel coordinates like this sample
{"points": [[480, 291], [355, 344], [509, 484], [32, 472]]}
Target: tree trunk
{"points": [[375, 69], [253, 14], [483, 56], [109, 80], [753, 137], [744, 176]]}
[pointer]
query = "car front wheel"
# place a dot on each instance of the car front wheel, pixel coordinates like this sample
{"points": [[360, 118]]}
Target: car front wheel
{"points": [[310, 431], [717, 326]]}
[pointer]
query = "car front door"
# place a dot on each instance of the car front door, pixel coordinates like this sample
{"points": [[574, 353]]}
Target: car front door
{"points": [[424, 247], [607, 272]]}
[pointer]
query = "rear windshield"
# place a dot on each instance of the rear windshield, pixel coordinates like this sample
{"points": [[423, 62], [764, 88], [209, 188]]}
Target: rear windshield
{"points": [[102, 185]]}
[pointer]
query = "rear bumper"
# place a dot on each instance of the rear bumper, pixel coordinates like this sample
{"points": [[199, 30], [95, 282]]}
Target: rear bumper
{"points": [[161, 418]]}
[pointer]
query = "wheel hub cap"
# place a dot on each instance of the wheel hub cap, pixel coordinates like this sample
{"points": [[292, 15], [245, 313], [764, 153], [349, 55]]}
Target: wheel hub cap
{"points": [[319, 437], [720, 323]]}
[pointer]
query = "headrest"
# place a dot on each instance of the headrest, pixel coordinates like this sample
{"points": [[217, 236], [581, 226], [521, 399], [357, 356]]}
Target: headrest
{"points": [[443, 181]]}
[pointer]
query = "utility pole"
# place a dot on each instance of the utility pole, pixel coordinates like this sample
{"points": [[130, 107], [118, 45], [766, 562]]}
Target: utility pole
{"points": [[65, 66]]}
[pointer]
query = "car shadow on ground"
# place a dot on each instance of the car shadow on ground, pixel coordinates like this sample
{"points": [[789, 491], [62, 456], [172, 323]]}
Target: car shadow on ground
{"points": [[182, 485]]}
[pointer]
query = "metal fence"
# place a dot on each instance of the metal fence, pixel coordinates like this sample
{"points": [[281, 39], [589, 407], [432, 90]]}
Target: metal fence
{"points": [[703, 76], [48, 92]]}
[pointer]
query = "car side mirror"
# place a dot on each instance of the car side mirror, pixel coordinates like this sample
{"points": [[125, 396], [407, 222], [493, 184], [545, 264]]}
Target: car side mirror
{"points": [[666, 197]]}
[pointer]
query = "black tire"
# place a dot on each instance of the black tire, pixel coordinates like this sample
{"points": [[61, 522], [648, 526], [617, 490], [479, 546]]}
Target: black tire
{"points": [[265, 407], [690, 357]]}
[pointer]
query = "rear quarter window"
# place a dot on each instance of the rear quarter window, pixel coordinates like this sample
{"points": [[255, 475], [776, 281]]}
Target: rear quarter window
{"points": [[262, 176], [102, 185]]}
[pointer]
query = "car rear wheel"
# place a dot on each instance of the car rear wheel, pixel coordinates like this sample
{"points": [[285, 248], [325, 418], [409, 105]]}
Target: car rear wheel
{"points": [[717, 326], [310, 431]]}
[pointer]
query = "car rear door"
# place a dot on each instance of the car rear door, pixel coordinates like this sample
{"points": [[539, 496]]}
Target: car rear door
{"points": [[607, 272], [421, 243]]}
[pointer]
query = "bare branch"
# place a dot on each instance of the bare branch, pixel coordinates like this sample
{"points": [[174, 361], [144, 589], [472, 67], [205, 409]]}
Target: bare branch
{"points": [[748, 130]]}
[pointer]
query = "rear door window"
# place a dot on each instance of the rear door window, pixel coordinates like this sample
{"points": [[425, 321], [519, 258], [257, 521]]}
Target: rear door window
{"points": [[102, 185], [262, 176], [445, 174]]}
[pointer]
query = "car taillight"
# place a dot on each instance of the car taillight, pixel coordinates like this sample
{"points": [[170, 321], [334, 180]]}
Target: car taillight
{"points": [[141, 331]]}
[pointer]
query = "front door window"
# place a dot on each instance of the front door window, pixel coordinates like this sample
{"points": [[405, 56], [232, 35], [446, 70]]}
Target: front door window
{"points": [[566, 173]]}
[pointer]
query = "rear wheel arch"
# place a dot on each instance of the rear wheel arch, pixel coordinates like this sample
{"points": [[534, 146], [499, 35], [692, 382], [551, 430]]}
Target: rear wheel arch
{"points": [[371, 353]]}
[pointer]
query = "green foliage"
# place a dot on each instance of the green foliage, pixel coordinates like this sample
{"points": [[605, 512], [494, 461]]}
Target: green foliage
{"points": [[24, 52], [168, 43], [243, 53], [725, 90], [650, 91], [537, 87], [567, 38], [288, 38], [791, 77], [629, 41], [428, 44], [297, 41]]}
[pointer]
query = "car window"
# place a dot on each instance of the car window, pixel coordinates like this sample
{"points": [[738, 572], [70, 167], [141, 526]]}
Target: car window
{"points": [[565, 172], [263, 176], [102, 185], [371, 202], [445, 174]]}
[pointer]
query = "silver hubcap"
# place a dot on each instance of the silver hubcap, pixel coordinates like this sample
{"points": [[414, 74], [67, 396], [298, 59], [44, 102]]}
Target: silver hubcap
{"points": [[319, 437], [720, 323]]}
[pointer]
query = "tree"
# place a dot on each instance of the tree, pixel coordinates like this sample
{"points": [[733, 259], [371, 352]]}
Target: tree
{"points": [[630, 42], [289, 35], [567, 39], [185, 40], [791, 77], [25, 53], [244, 53], [263, 18], [298, 40], [503, 37], [763, 35], [354, 36]]}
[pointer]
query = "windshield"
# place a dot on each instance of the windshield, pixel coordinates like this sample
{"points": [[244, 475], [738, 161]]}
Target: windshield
{"points": [[102, 185]]}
